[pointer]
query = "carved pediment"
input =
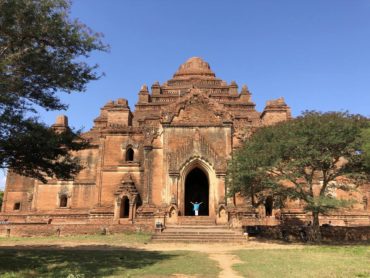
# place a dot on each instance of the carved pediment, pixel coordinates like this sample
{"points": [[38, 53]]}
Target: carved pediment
{"points": [[196, 109], [196, 114], [127, 188], [199, 147]]}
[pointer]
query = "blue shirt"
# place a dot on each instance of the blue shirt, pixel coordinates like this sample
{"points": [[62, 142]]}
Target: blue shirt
{"points": [[196, 206]]}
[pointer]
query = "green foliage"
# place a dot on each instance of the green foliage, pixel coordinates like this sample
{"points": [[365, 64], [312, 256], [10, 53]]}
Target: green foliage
{"points": [[249, 165], [366, 146], [40, 55], [302, 159], [1, 198]]}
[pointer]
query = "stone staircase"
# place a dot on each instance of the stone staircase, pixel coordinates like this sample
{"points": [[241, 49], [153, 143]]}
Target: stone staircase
{"points": [[200, 229]]}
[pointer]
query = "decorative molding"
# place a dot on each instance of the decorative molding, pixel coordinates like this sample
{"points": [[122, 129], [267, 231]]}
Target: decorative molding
{"points": [[195, 96], [130, 142], [197, 148], [128, 189], [64, 191]]}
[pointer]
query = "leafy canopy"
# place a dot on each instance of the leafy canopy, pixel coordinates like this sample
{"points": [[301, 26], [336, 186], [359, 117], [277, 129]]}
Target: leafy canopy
{"points": [[1, 198], [41, 55], [366, 146], [306, 158]]}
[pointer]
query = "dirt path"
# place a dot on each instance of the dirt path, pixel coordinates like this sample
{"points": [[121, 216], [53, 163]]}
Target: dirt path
{"points": [[225, 261], [221, 253], [217, 252]]}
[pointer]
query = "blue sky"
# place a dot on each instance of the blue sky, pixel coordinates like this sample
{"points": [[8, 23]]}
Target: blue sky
{"points": [[314, 53]]}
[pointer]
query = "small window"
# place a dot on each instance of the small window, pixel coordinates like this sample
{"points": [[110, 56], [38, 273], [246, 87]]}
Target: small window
{"points": [[63, 201], [129, 154], [17, 206]]}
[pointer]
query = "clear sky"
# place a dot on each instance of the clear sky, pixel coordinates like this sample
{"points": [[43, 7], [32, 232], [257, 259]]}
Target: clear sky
{"points": [[314, 53]]}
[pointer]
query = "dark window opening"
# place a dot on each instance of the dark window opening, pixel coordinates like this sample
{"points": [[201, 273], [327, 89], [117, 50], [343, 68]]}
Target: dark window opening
{"points": [[17, 206], [125, 208], [63, 201], [129, 154], [269, 202], [196, 190]]}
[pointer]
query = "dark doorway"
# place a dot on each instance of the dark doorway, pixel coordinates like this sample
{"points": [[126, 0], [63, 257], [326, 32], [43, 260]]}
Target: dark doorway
{"points": [[196, 190], [269, 204], [125, 208], [129, 154]]}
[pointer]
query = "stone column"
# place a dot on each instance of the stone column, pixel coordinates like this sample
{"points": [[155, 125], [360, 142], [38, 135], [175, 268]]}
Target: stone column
{"points": [[117, 208], [174, 189], [131, 212], [99, 170], [147, 174]]}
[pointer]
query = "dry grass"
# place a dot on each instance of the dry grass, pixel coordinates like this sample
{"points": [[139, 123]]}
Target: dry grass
{"points": [[352, 261], [128, 262]]}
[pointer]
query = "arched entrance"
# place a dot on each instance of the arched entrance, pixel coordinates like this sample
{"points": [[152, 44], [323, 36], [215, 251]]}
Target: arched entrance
{"points": [[196, 190], [125, 208]]}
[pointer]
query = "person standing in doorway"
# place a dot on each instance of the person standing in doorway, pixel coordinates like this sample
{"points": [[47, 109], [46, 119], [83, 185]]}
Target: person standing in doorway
{"points": [[196, 206]]}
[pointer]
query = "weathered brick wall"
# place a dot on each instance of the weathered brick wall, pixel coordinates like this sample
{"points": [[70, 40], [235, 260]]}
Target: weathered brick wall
{"points": [[28, 230], [329, 233]]}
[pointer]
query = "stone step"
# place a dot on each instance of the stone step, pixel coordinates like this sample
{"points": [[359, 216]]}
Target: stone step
{"points": [[211, 234], [196, 223], [197, 236], [205, 240], [200, 233], [196, 219], [201, 240], [196, 227]]}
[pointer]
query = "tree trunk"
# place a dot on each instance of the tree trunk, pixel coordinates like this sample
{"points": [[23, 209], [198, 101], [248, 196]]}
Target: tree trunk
{"points": [[316, 233]]}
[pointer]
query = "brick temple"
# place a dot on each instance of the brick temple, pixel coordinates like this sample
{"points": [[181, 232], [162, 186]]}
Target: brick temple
{"points": [[147, 165]]}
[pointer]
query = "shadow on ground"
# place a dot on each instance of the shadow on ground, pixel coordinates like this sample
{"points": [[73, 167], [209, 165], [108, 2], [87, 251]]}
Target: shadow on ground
{"points": [[91, 261]]}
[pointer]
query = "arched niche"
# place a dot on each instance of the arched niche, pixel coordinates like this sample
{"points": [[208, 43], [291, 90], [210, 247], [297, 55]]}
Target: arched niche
{"points": [[172, 215], [124, 211], [130, 154], [222, 215], [206, 171], [63, 201]]}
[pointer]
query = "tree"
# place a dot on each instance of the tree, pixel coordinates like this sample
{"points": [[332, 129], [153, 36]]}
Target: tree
{"points": [[366, 146], [247, 170], [41, 55], [307, 158], [1, 198]]}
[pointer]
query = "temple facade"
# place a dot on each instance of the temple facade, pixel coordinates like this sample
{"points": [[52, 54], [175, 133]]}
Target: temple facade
{"points": [[149, 164]]}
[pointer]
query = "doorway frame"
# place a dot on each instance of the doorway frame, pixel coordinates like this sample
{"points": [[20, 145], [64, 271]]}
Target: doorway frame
{"points": [[212, 184], [186, 191]]}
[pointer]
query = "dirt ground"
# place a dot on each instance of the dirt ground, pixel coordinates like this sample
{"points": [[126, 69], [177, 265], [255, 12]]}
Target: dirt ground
{"points": [[221, 253]]}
